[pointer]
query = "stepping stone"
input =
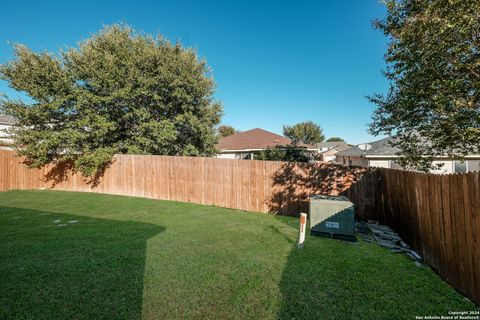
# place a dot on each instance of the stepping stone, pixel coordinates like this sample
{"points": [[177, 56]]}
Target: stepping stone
{"points": [[386, 244], [414, 256], [386, 237], [396, 250], [404, 245]]}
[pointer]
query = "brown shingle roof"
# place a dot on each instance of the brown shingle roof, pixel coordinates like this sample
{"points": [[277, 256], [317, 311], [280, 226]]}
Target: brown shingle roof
{"points": [[333, 145], [254, 139]]}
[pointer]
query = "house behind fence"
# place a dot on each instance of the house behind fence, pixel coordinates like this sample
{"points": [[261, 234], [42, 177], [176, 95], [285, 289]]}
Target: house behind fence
{"points": [[381, 154], [247, 144], [6, 122]]}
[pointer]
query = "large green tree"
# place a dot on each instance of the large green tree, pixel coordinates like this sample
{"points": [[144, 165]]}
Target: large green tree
{"points": [[335, 139], [118, 92], [305, 132], [225, 130], [433, 58]]}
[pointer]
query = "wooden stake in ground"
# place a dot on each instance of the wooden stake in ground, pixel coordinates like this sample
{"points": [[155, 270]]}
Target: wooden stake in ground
{"points": [[303, 226]]}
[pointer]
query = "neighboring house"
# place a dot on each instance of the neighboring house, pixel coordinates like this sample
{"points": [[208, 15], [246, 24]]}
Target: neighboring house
{"points": [[327, 150], [244, 145], [381, 154], [6, 122]]}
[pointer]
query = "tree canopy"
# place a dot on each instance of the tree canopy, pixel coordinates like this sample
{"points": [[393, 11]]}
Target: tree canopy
{"points": [[225, 131], [307, 132], [433, 58], [335, 139], [118, 92]]}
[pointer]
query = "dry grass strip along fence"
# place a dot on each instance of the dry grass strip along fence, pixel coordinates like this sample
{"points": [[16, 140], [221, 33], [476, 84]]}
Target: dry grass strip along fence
{"points": [[439, 215]]}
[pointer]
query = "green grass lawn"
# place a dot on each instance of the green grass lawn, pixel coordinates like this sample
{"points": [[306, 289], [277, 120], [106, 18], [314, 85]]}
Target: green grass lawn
{"points": [[129, 258]]}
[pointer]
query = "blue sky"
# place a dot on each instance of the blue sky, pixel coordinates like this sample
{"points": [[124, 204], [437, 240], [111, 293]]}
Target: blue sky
{"points": [[274, 62]]}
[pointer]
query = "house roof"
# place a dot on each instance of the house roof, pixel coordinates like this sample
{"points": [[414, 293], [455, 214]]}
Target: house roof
{"points": [[7, 120], [381, 148], [332, 145], [254, 139], [378, 148], [329, 152], [338, 146]]}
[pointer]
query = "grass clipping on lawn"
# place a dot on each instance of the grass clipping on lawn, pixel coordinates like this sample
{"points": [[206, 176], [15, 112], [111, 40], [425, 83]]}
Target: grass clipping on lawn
{"points": [[136, 258]]}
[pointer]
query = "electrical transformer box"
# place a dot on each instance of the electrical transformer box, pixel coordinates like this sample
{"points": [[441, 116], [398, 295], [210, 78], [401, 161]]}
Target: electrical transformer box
{"points": [[332, 216]]}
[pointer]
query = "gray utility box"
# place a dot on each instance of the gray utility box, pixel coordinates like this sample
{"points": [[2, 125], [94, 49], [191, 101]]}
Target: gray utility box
{"points": [[332, 216]]}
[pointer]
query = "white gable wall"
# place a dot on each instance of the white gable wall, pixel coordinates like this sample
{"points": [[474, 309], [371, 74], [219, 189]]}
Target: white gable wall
{"points": [[473, 165], [328, 158], [3, 127], [4, 136], [448, 165], [446, 168], [379, 163], [235, 155]]}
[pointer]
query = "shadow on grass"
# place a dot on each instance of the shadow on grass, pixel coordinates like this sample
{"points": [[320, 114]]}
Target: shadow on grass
{"points": [[60, 266], [332, 279]]}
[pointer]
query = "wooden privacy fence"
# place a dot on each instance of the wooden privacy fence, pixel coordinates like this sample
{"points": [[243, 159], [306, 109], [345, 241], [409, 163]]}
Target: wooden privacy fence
{"points": [[263, 186], [438, 215]]}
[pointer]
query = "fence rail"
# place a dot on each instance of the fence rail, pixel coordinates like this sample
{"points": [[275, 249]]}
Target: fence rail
{"points": [[438, 215]]}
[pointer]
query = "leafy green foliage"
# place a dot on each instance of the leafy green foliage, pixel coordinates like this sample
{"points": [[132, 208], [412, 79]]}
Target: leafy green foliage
{"points": [[307, 132], [335, 139], [433, 58], [225, 131], [289, 153], [118, 92]]}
